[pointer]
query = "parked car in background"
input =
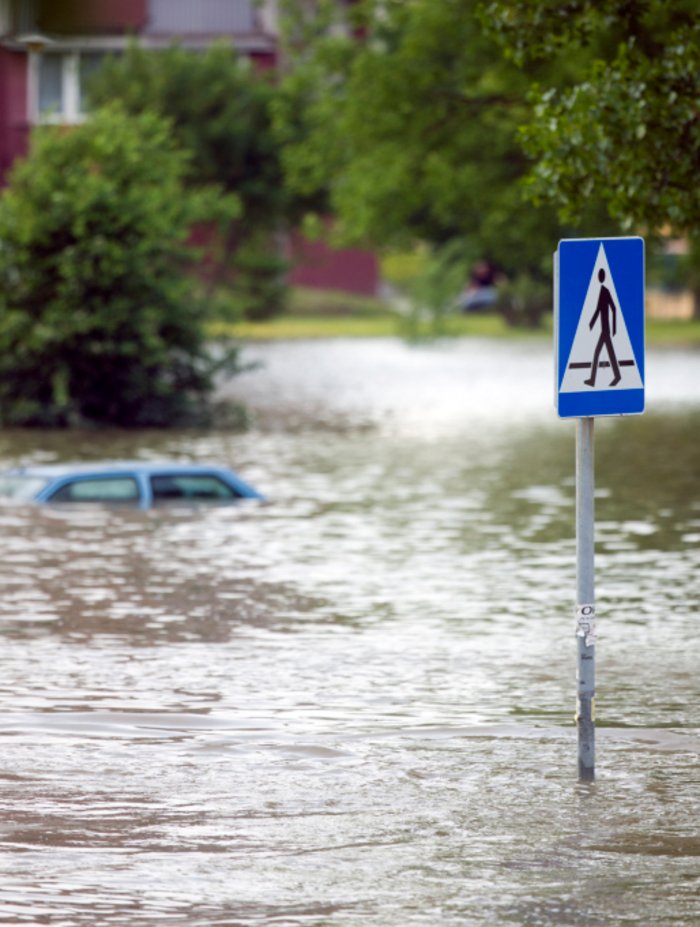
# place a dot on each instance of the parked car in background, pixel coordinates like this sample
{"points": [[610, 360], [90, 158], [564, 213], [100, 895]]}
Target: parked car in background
{"points": [[133, 483]]}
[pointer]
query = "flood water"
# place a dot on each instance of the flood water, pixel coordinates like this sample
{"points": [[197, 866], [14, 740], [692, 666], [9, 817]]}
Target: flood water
{"points": [[353, 704]]}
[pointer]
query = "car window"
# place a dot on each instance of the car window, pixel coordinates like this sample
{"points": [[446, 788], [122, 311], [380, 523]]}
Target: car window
{"points": [[21, 488], [179, 486], [102, 489]]}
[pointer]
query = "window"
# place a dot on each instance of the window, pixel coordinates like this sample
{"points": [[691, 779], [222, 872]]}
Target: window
{"points": [[5, 17], [57, 91], [88, 65], [200, 488], [50, 84], [106, 489]]}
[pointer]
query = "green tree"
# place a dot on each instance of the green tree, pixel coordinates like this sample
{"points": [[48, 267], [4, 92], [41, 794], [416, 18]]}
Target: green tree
{"points": [[625, 130], [97, 323], [411, 123], [220, 109]]}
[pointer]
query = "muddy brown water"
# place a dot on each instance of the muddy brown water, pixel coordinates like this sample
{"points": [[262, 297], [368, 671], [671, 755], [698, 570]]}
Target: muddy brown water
{"points": [[352, 705]]}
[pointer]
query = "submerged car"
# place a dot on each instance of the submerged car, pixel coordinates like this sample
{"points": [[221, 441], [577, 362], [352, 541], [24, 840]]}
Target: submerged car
{"points": [[133, 483]]}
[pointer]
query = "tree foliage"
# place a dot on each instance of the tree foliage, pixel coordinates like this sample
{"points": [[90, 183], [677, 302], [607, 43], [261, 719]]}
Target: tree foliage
{"points": [[221, 111], [96, 321], [219, 108], [411, 122], [623, 128]]}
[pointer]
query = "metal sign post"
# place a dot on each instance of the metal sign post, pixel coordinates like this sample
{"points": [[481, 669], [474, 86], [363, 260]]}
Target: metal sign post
{"points": [[585, 596], [599, 370]]}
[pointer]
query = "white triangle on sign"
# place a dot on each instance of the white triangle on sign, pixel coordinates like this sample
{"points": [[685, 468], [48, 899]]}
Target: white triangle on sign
{"points": [[589, 341]]}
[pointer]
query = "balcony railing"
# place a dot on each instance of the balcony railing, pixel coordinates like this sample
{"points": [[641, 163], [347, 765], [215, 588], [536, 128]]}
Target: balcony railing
{"points": [[205, 17]]}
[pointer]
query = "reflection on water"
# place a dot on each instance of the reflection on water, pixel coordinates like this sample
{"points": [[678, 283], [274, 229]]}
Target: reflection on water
{"points": [[353, 704]]}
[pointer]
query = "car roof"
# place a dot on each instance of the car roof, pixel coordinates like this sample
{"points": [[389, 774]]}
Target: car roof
{"points": [[82, 468]]}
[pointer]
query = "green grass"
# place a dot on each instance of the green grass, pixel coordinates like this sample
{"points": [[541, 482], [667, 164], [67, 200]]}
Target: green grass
{"points": [[673, 332], [329, 303], [368, 326], [320, 314], [292, 326]]}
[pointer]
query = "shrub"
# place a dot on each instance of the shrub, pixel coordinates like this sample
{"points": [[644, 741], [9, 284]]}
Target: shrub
{"points": [[97, 319]]}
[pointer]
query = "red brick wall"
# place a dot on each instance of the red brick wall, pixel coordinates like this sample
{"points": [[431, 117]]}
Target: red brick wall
{"points": [[317, 265], [264, 61], [117, 15], [14, 126]]}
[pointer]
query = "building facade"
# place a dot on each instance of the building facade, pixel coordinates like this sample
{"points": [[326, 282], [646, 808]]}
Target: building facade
{"points": [[48, 50]]}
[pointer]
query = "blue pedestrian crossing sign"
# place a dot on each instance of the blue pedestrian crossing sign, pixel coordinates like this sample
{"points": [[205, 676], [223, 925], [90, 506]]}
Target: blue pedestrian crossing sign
{"points": [[599, 327]]}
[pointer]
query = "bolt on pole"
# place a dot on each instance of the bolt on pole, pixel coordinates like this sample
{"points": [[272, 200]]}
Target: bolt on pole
{"points": [[585, 599]]}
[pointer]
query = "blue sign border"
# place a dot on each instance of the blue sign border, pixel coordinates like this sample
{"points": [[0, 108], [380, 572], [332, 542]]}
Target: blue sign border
{"points": [[574, 262]]}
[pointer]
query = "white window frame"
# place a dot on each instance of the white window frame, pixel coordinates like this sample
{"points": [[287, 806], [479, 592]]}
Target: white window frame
{"points": [[69, 112]]}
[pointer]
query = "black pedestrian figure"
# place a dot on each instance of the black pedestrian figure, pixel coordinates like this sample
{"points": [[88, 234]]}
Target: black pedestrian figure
{"points": [[606, 308]]}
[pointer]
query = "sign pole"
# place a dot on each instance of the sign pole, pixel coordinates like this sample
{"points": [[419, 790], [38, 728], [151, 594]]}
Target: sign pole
{"points": [[599, 370], [585, 591]]}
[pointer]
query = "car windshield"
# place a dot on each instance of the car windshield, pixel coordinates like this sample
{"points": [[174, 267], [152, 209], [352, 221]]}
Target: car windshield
{"points": [[19, 487]]}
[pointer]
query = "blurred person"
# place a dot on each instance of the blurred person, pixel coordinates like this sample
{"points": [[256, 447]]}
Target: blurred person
{"points": [[480, 292]]}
